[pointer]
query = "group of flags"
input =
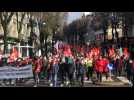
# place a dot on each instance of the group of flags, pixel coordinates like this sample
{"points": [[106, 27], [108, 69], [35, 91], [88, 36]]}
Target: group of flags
{"points": [[96, 51]]}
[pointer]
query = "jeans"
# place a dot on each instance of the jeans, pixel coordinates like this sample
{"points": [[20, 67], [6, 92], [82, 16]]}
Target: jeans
{"points": [[36, 78], [99, 76], [81, 76], [89, 72], [133, 79], [129, 76], [55, 74], [54, 79]]}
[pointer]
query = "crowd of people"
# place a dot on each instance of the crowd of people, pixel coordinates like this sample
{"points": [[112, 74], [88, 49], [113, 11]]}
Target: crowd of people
{"points": [[63, 68], [93, 65]]}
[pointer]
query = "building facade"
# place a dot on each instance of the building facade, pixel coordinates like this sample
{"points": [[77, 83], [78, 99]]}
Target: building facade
{"points": [[15, 39]]}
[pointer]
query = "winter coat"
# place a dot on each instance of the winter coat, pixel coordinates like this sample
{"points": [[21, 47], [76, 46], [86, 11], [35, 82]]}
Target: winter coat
{"points": [[128, 67], [105, 68], [81, 69], [132, 68], [37, 67], [99, 66], [89, 63]]}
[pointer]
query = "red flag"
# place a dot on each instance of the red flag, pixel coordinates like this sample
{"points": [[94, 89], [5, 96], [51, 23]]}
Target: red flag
{"points": [[111, 52], [125, 52], [14, 54]]}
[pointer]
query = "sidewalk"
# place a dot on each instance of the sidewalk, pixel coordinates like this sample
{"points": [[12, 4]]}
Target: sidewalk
{"points": [[118, 82], [123, 79]]}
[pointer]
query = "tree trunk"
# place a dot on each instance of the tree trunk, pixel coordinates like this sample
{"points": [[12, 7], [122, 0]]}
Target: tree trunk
{"points": [[42, 52], [116, 34], [5, 39], [112, 32], [46, 46], [5, 45], [104, 30]]}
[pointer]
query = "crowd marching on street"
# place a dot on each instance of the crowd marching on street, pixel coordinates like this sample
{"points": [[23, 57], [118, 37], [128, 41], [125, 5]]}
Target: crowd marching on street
{"points": [[68, 67]]}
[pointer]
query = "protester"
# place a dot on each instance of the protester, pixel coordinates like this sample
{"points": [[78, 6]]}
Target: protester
{"points": [[89, 66], [99, 68], [37, 70], [129, 67], [106, 71], [81, 72], [55, 69], [62, 70]]}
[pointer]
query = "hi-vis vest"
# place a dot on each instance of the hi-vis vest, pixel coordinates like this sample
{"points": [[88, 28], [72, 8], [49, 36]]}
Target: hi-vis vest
{"points": [[88, 63]]}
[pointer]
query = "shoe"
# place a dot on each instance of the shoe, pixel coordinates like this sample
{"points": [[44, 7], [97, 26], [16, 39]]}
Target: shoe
{"points": [[35, 86], [130, 83], [67, 83], [12, 82], [51, 84], [61, 85], [8, 83]]}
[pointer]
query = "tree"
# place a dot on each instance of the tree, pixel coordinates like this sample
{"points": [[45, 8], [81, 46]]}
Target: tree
{"points": [[104, 23], [5, 18], [77, 28], [53, 21], [20, 23]]}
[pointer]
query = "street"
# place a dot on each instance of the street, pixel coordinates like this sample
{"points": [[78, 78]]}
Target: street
{"points": [[44, 83]]}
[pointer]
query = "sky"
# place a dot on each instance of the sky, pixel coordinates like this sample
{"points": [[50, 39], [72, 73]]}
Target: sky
{"points": [[74, 15]]}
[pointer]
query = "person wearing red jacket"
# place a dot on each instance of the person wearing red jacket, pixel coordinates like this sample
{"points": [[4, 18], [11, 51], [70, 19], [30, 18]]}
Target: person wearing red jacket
{"points": [[37, 70], [105, 68], [99, 65]]}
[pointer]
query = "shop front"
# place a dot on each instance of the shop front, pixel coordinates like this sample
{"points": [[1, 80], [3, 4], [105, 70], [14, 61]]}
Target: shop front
{"points": [[22, 47]]}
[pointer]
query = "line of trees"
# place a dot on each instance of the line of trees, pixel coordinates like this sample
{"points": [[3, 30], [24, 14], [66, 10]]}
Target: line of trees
{"points": [[53, 23], [101, 20]]}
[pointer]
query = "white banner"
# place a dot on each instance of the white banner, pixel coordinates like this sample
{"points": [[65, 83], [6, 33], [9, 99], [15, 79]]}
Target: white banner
{"points": [[9, 72]]}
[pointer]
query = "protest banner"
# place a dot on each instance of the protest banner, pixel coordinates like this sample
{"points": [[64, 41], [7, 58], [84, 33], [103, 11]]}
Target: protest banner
{"points": [[8, 72]]}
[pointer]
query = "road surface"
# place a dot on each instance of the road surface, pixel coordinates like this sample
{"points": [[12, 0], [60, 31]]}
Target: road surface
{"points": [[116, 82]]}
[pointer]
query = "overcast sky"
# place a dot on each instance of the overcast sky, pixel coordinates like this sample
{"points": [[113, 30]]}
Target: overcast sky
{"points": [[74, 15]]}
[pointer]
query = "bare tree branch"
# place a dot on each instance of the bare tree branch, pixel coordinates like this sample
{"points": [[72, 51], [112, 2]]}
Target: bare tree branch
{"points": [[2, 20], [17, 20], [21, 23], [9, 18]]}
